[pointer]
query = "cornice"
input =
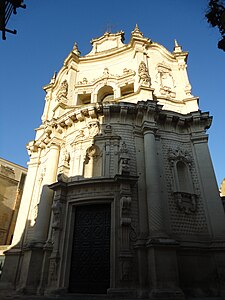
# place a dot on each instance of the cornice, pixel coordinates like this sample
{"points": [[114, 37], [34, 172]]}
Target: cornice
{"points": [[79, 181], [166, 53], [145, 114], [8, 179]]}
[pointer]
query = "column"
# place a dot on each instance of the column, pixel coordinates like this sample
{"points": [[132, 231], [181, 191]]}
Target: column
{"points": [[44, 210], [162, 259], [153, 193]]}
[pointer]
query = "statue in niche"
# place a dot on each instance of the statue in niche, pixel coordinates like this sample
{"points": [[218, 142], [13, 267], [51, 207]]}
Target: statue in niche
{"points": [[144, 76], [63, 91], [124, 160], [65, 157]]}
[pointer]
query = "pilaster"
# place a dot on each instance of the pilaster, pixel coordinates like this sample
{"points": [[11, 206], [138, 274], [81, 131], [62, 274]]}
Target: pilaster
{"points": [[208, 184], [161, 250]]}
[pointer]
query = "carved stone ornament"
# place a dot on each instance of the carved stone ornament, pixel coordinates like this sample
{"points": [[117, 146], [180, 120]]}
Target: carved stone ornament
{"points": [[65, 157], [79, 137], [178, 154], [124, 160], [166, 81], [53, 269], [136, 32], [125, 204], [144, 76], [57, 210], [93, 128], [126, 270], [106, 72], [34, 215], [75, 49], [186, 202], [63, 91], [92, 152]]}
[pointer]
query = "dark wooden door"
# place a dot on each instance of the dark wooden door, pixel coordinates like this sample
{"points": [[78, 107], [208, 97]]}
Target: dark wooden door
{"points": [[90, 262]]}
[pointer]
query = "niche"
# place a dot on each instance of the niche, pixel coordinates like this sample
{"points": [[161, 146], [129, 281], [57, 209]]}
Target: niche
{"points": [[105, 93], [184, 181], [92, 162]]}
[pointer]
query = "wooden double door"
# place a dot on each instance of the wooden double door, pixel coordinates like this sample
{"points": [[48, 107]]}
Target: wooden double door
{"points": [[90, 261]]}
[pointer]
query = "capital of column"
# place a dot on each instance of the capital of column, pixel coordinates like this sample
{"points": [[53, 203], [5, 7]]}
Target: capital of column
{"points": [[149, 128], [54, 143], [198, 138]]}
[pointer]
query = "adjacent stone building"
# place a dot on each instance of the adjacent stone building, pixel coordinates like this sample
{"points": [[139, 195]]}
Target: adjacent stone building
{"points": [[121, 196], [12, 178]]}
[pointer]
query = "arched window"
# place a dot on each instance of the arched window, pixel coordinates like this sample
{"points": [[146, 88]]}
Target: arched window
{"points": [[105, 93]]}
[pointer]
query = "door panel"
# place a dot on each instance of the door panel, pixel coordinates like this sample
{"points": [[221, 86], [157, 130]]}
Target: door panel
{"points": [[90, 262]]}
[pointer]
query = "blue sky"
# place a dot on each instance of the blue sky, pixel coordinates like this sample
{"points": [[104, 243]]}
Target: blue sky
{"points": [[47, 31]]}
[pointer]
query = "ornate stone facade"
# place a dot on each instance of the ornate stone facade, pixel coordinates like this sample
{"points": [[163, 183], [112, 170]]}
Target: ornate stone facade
{"points": [[121, 196]]}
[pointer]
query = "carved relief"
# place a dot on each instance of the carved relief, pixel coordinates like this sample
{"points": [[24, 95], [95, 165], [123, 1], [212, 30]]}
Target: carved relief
{"points": [[166, 81], [34, 215], [63, 91], [79, 137], [184, 196], [92, 151], [124, 166], [144, 76], [53, 270], [57, 211], [186, 202], [126, 270], [106, 72], [125, 204], [126, 229], [65, 157], [178, 154], [93, 128], [84, 81]]}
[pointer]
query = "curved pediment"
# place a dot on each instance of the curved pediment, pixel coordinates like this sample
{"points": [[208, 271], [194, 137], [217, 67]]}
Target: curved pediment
{"points": [[106, 42]]}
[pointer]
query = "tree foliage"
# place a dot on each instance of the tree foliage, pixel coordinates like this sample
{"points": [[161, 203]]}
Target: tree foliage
{"points": [[216, 17]]}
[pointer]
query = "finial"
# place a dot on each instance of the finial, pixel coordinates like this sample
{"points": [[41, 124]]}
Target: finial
{"points": [[53, 77], [177, 47], [75, 49], [136, 32]]}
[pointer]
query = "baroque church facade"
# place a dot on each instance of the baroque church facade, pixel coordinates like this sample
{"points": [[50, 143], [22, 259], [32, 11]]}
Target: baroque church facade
{"points": [[121, 196]]}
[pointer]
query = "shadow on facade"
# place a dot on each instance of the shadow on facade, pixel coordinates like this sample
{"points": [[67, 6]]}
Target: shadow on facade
{"points": [[104, 213]]}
